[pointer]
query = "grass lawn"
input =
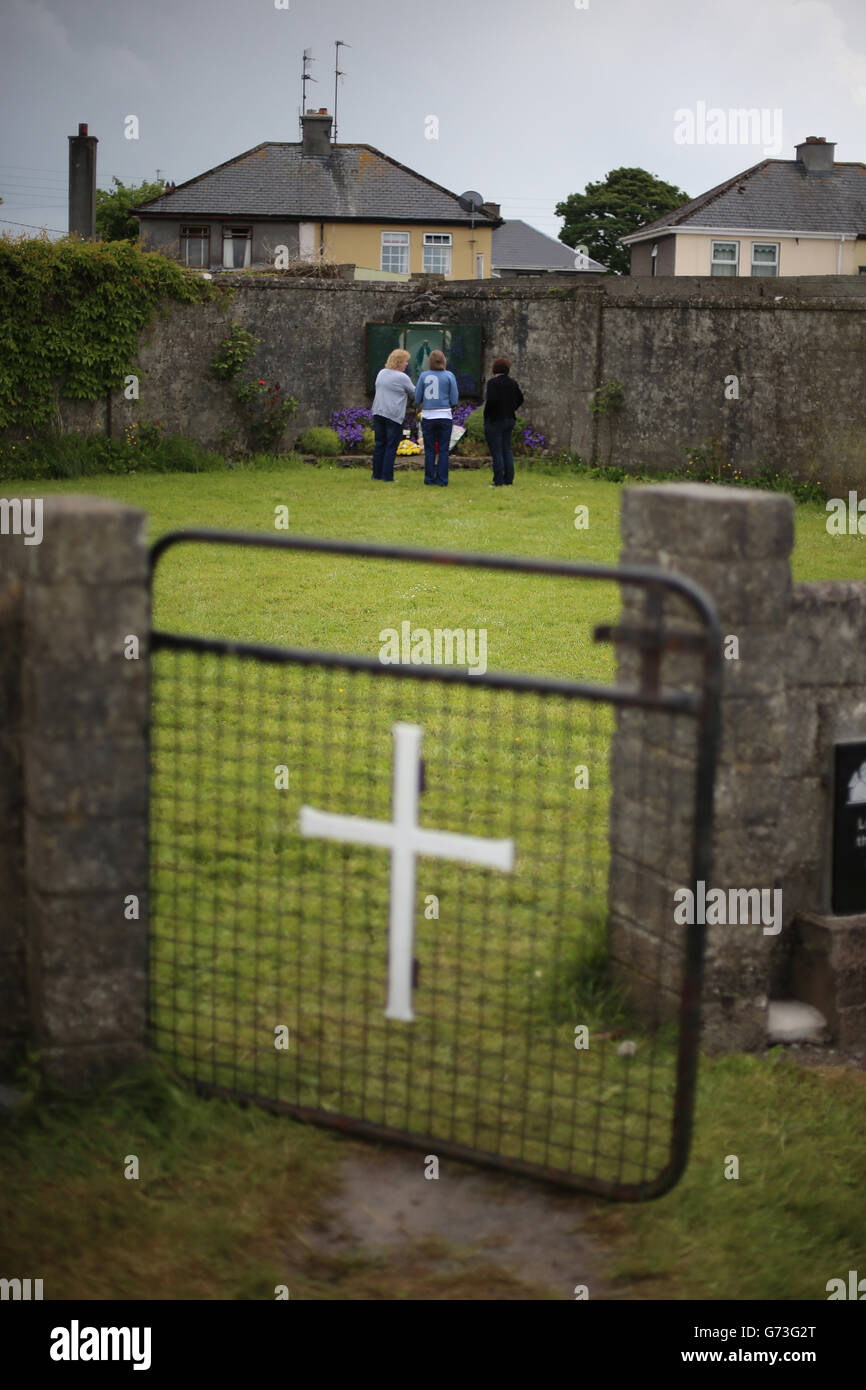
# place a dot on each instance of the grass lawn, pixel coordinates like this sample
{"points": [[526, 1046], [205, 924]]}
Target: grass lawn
{"points": [[780, 1231]]}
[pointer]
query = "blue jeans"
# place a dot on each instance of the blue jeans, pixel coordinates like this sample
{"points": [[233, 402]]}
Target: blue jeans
{"points": [[436, 432], [388, 434], [498, 436]]}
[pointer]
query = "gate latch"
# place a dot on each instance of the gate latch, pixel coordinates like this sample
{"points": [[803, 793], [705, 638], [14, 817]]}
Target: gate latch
{"points": [[652, 643]]}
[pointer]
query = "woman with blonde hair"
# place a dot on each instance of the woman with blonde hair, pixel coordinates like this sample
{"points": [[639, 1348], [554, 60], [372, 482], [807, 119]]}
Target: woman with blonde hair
{"points": [[394, 387]]}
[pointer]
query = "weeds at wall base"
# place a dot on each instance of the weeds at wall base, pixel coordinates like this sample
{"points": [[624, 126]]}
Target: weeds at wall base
{"points": [[144, 449]]}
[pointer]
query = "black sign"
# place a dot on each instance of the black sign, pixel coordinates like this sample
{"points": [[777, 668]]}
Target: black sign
{"points": [[849, 829]]}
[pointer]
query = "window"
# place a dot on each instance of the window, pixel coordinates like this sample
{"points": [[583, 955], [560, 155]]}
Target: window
{"points": [[654, 257], [237, 247], [479, 266], [395, 252], [765, 257], [437, 253], [725, 259], [195, 246]]}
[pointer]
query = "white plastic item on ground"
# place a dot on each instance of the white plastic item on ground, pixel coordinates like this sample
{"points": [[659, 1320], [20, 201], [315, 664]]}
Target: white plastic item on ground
{"points": [[790, 1020]]}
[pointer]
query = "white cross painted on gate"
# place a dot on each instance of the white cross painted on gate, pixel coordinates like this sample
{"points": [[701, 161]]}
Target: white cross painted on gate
{"points": [[406, 840]]}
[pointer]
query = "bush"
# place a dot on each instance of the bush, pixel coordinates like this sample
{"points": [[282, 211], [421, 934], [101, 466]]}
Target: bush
{"points": [[266, 411], [142, 450], [320, 441], [524, 439], [475, 425], [368, 440]]}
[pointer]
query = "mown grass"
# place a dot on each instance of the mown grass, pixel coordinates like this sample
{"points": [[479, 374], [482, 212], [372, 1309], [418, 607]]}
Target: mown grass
{"points": [[794, 1217], [780, 1231]]}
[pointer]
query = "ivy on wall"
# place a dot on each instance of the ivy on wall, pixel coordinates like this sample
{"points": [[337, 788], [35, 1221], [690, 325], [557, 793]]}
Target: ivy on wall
{"points": [[71, 313]]}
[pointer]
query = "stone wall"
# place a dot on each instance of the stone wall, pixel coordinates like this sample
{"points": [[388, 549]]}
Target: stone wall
{"points": [[74, 790], [796, 346], [796, 685]]}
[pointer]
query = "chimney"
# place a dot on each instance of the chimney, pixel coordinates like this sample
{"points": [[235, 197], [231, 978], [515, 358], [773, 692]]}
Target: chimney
{"points": [[82, 183], [316, 126], [492, 209], [816, 155]]}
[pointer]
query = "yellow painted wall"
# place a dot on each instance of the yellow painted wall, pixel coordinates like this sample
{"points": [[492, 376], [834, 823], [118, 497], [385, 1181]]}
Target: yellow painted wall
{"points": [[808, 256], [360, 243]]}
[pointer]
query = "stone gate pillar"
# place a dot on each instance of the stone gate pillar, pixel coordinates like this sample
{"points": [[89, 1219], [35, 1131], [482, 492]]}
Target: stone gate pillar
{"points": [[74, 691], [736, 544]]}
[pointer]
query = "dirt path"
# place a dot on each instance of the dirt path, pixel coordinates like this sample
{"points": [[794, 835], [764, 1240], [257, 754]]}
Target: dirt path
{"points": [[468, 1233]]}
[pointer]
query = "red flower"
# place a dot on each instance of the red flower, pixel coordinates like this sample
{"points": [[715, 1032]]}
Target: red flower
{"points": [[261, 383]]}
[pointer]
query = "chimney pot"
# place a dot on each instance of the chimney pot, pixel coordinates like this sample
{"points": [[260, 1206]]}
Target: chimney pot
{"points": [[815, 154], [82, 128]]}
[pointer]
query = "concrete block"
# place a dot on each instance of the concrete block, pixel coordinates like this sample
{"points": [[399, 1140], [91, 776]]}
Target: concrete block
{"points": [[90, 540]]}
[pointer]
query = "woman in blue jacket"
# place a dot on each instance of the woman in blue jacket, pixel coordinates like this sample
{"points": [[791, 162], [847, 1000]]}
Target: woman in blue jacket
{"points": [[437, 395]]}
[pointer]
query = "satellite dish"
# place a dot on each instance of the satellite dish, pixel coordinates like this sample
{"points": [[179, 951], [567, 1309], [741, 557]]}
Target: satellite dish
{"points": [[471, 201]]}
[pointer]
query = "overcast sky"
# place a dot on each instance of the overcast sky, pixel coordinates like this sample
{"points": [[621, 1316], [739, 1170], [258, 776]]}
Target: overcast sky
{"points": [[534, 98]]}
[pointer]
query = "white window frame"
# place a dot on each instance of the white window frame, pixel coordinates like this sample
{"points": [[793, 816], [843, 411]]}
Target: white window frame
{"points": [[735, 262], [439, 245], [230, 233], [479, 265], [199, 234], [395, 242], [763, 265]]}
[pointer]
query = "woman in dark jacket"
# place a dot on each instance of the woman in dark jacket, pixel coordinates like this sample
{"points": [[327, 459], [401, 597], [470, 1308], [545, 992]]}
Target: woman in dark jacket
{"points": [[501, 404]]}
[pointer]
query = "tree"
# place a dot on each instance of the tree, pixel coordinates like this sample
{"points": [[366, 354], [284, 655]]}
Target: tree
{"points": [[113, 219], [624, 201]]}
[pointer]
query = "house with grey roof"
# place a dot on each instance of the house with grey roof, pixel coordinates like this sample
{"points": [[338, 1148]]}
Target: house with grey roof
{"points": [[519, 249], [350, 204], [803, 216]]}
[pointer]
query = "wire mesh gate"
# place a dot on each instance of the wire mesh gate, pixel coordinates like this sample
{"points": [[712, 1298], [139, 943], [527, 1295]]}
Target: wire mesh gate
{"points": [[379, 892]]}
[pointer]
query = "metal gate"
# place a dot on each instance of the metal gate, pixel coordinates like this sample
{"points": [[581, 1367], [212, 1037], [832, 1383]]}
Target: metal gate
{"points": [[379, 889]]}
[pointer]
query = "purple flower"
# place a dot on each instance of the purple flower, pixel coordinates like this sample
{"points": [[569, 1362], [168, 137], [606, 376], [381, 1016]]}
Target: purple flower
{"points": [[349, 424]]}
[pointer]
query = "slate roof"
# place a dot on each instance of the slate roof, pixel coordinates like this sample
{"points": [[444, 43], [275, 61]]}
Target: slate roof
{"points": [[277, 180], [517, 246], [777, 195]]}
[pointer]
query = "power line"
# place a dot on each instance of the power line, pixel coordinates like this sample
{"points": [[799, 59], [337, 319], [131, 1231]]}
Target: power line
{"points": [[31, 226], [32, 169], [31, 179]]}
